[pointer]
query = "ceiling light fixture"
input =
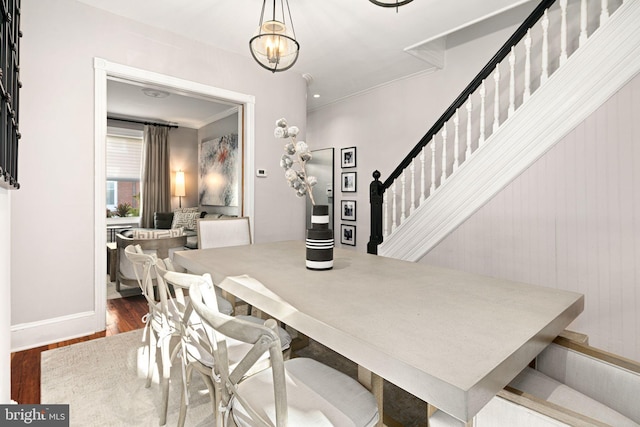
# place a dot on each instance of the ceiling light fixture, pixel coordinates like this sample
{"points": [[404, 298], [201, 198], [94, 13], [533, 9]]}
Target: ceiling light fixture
{"points": [[274, 45], [155, 93], [391, 3]]}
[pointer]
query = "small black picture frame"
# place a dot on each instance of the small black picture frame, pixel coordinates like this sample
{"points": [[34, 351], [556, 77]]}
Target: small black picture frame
{"points": [[348, 182], [348, 210], [348, 157], [348, 234]]}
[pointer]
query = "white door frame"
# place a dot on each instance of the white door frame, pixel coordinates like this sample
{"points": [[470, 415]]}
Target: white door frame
{"points": [[104, 69]]}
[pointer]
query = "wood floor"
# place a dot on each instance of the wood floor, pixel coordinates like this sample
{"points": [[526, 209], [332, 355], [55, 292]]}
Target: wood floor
{"points": [[123, 315]]}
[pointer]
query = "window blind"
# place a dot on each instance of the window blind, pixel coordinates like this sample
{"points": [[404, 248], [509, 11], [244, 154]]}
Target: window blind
{"points": [[124, 158]]}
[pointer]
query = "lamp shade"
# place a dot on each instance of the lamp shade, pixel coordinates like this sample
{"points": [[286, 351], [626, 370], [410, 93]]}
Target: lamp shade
{"points": [[179, 185], [274, 45]]}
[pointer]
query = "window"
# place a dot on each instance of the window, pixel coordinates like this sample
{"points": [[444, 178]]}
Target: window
{"points": [[112, 195], [124, 163]]}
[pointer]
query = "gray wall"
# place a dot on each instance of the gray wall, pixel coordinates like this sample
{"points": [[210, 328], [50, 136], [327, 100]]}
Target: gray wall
{"points": [[183, 148], [52, 216], [385, 123], [571, 221]]}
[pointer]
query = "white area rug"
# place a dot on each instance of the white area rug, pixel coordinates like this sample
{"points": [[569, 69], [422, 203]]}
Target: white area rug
{"points": [[103, 382]]}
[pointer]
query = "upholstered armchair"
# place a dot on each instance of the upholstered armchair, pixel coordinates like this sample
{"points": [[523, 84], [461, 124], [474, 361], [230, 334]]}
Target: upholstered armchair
{"points": [[163, 243]]}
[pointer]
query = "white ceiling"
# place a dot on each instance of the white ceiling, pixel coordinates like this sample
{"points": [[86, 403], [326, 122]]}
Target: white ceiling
{"points": [[347, 46]]}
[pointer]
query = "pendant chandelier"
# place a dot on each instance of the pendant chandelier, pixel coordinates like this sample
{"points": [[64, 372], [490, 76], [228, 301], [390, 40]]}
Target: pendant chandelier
{"points": [[391, 3], [274, 45]]}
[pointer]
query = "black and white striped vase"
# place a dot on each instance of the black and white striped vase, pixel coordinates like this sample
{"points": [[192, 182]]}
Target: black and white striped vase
{"points": [[320, 240]]}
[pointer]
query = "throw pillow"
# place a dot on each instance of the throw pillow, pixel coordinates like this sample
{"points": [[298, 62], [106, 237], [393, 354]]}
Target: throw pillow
{"points": [[193, 209], [157, 234], [188, 220], [162, 220]]}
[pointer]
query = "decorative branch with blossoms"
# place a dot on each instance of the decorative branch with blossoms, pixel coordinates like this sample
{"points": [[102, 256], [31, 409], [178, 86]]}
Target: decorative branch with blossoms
{"points": [[293, 162]]}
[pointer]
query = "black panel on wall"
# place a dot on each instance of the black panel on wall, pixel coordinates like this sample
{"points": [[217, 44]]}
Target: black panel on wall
{"points": [[9, 91]]}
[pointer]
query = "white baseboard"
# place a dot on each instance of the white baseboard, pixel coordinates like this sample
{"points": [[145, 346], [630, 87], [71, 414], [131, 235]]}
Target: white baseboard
{"points": [[35, 334]]}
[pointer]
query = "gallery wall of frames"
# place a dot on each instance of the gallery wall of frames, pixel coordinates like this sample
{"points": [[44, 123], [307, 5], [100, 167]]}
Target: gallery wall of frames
{"points": [[348, 186]]}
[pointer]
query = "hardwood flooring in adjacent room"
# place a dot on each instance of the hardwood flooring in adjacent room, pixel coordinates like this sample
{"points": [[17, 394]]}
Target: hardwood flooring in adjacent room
{"points": [[123, 315]]}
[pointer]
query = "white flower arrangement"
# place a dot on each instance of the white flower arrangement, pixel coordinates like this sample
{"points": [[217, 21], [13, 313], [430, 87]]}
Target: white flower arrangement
{"points": [[293, 162]]}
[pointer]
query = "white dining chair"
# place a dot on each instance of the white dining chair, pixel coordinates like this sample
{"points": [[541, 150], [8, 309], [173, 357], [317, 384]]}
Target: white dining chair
{"points": [[296, 392], [160, 323], [196, 352], [224, 232]]}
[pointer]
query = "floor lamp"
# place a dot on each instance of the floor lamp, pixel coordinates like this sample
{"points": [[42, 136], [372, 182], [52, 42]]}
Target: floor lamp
{"points": [[179, 187]]}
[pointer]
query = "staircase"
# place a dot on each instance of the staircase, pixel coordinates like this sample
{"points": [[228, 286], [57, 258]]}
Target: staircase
{"points": [[503, 122]]}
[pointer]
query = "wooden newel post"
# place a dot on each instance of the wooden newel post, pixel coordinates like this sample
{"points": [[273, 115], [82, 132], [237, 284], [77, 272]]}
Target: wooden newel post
{"points": [[375, 199]]}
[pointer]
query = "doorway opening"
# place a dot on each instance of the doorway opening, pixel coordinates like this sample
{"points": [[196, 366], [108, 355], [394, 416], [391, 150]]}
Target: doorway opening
{"points": [[105, 71]]}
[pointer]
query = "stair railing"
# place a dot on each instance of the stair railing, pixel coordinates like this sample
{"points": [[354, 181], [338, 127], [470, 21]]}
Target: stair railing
{"points": [[459, 114]]}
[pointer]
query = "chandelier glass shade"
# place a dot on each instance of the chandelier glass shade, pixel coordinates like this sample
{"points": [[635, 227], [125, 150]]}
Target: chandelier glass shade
{"points": [[274, 45]]}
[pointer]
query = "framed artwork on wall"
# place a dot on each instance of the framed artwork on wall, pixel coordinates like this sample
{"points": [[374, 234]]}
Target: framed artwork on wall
{"points": [[219, 163], [348, 234], [348, 157], [348, 210], [348, 182]]}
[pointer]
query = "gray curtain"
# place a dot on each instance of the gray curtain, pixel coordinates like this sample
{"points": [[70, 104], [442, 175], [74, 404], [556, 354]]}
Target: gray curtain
{"points": [[156, 178]]}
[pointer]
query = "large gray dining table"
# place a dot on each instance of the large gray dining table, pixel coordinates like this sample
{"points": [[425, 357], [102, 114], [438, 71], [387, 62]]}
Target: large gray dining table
{"points": [[451, 338]]}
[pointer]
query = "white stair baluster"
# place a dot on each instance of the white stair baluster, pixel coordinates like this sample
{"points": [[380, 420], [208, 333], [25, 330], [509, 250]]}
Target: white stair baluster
{"points": [[545, 47], [483, 93], [413, 186], [604, 15], [469, 109], [583, 22], [422, 177], [385, 213], [444, 154], [527, 67], [512, 82], [433, 165], [393, 206], [496, 99], [563, 32], [456, 141], [403, 198]]}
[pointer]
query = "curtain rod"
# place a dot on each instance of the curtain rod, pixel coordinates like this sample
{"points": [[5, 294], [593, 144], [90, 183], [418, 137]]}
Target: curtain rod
{"points": [[143, 122]]}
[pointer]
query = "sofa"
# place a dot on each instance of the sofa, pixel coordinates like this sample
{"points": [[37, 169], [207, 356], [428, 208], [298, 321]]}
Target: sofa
{"points": [[163, 243], [185, 218]]}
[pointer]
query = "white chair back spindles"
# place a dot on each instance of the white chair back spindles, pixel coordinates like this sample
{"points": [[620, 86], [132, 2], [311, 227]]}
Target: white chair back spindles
{"points": [[545, 47]]}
